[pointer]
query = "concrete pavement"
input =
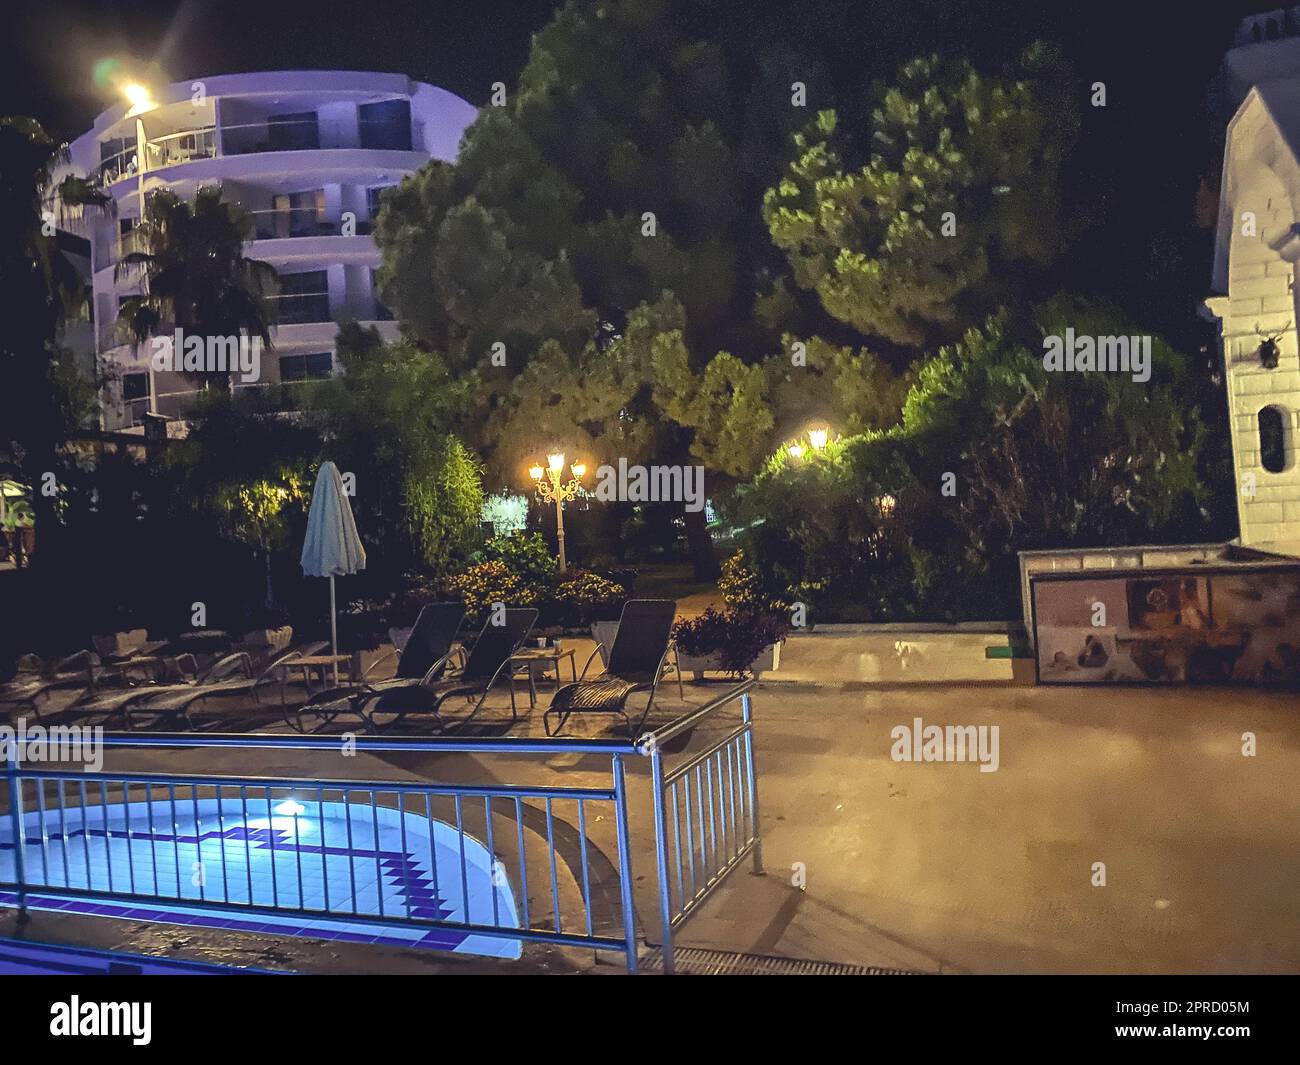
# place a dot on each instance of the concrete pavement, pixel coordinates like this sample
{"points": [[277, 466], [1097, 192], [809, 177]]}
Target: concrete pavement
{"points": [[937, 866]]}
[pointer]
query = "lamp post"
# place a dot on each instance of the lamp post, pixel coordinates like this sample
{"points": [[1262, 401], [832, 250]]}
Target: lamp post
{"points": [[141, 101], [552, 486]]}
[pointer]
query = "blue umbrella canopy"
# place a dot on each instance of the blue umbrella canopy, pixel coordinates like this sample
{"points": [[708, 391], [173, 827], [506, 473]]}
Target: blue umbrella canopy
{"points": [[332, 547]]}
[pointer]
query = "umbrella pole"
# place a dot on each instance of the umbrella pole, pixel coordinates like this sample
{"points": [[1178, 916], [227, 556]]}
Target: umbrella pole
{"points": [[334, 631]]}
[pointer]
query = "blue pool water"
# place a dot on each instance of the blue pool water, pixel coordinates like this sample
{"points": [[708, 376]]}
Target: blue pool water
{"points": [[334, 859]]}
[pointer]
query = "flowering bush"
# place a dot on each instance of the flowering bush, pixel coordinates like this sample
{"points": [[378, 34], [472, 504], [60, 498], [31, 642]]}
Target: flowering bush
{"points": [[736, 637], [519, 570], [491, 582], [583, 597], [741, 589]]}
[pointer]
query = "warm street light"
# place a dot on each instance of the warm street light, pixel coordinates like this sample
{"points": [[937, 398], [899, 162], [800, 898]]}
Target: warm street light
{"points": [[818, 438], [139, 97], [553, 488]]}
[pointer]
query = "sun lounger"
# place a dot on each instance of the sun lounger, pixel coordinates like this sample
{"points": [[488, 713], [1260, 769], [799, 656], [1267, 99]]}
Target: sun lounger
{"points": [[636, 663], [484, 666]]}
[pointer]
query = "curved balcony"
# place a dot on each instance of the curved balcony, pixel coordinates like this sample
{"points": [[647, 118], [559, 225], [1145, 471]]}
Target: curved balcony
{"points": [[262, 138]]}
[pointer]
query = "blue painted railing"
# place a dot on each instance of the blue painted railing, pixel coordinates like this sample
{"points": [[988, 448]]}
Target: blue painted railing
{"points": [[444, 865]]}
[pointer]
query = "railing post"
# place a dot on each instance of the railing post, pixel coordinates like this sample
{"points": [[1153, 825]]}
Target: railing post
{"points": [[747, 715], [19, 825], [661, 857], [624, 862]]}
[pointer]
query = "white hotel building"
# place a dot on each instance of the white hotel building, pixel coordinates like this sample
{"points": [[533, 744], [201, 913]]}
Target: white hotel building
{"points": [[306, 153]]}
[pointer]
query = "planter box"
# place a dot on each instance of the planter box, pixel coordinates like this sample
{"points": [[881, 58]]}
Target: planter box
{"points": [[768, 660], [119, 644], [271, 640]]}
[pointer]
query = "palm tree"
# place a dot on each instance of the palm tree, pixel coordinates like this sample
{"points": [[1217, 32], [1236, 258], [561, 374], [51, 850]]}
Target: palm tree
{"points": [[42, 288], [194, 273]]}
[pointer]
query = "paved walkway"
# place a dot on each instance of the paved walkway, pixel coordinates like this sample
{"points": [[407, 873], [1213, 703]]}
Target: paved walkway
{"points": [[937, 866]]}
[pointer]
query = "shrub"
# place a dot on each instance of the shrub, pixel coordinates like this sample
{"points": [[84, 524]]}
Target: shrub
{"points": [[492, 582], [402, 609], [736, 637], [584, 597], [741, 589], [525, 554], [993, 456]]}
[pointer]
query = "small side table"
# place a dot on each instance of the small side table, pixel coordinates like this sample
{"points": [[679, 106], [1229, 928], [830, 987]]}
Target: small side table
{"points": [[320, 663], [529, 657]]}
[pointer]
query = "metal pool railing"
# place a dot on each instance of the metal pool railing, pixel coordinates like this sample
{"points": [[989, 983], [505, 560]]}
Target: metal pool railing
{"points": [[706, 817], [483, 865]]}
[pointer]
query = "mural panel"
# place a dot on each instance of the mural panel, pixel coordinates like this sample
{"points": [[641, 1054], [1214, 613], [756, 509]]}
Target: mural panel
{"points": [[1198, 628]]}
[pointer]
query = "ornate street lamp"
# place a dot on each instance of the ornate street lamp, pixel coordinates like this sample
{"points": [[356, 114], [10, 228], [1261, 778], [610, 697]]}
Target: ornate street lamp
{"points": [[818, 438], [551, 486]]}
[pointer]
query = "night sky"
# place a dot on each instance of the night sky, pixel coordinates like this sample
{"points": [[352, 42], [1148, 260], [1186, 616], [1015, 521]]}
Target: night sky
{"points": [[1144, 156]]}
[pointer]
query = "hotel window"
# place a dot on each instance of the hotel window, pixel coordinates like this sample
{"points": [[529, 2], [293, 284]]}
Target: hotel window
{"points": [[313, 365], [1272, 439], [373, 196], [296, 131], [386, 125], [135, 386], [303, 297], [298, 214]]}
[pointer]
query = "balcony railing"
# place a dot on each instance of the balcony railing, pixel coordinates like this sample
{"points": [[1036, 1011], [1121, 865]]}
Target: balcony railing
{"points": [[168, 150], [295, 135], [247, 138], [278, 223], [300, 308]]}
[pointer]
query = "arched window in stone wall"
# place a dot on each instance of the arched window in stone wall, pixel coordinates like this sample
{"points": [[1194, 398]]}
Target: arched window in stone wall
{"points": [[1272, 439]]}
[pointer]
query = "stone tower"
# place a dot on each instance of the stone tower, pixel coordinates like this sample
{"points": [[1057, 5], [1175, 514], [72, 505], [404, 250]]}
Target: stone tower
{"points": [[1256, 254]]}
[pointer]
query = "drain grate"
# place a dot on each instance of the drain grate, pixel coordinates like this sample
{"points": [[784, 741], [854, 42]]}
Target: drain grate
{"points": [[691, 961]]}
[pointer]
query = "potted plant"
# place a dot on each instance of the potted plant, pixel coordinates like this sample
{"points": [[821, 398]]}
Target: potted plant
{"points": [[732, 641]]}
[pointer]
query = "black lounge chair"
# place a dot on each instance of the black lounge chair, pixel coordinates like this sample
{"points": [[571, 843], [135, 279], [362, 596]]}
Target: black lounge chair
{"points": [[636, 662], [35, 679], [110, 703], [231, 675], [486, 662], [426, 654]]}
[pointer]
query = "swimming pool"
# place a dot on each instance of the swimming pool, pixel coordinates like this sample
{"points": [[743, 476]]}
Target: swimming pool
{"points": [[328, 860]]}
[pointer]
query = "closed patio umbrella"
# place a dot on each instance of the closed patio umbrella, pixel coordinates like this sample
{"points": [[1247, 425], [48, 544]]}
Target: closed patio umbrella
{"points": [[332, 547]]}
